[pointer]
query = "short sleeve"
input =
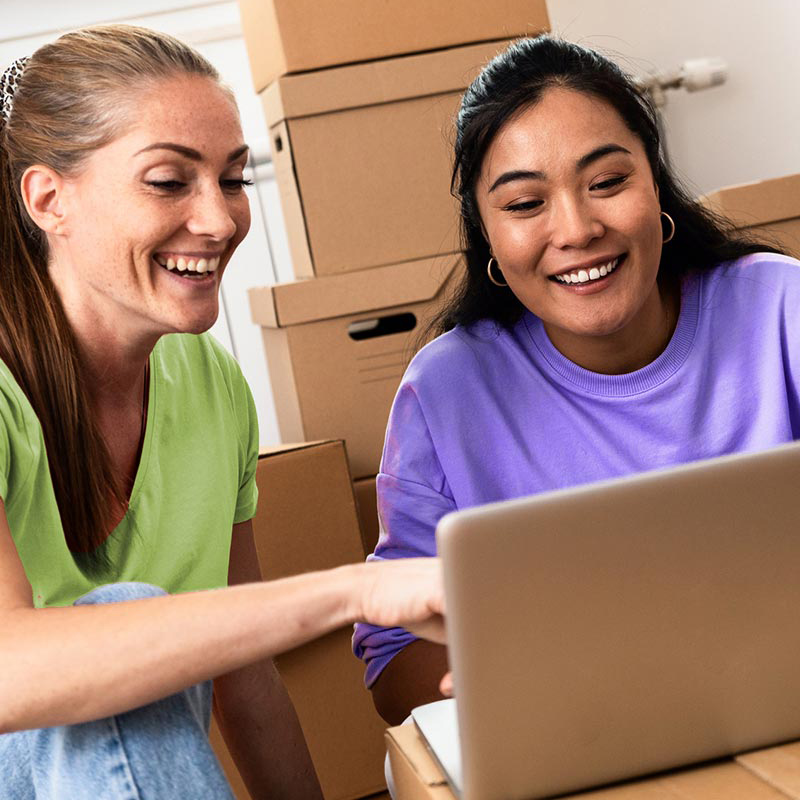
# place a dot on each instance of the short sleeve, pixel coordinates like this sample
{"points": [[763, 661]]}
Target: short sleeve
{"points": [[247, 418], [412, 497]]}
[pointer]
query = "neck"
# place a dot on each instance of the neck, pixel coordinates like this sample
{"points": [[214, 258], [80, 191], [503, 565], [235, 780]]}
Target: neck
{"points": [[629, 349]]}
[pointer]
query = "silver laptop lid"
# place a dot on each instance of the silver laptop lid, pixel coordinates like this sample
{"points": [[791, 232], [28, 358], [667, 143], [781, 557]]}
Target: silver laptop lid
{"points": [[626, 627]]}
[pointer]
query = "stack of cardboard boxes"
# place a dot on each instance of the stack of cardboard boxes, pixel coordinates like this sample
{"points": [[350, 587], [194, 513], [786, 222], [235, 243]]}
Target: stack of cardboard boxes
{"points": [[767, 210], [360, 98]]}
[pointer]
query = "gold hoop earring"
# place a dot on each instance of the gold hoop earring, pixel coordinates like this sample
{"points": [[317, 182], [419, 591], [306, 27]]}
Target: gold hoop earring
{"points": [[489, 273], [672, 223]]}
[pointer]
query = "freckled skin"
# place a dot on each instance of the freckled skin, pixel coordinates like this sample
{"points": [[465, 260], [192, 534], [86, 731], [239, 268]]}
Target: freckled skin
{"points": [[573, 215], [114, 221]]}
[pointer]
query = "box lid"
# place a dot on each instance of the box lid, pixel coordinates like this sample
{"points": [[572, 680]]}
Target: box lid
{"points": [[758, 203], [375, 82], [351, 293], [290, 447]]}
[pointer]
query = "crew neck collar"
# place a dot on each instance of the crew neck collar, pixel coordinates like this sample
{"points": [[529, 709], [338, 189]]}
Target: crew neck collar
{"points": [[629, 383]]}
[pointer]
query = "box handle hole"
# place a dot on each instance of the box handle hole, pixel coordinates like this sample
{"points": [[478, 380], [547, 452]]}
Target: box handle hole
{"points": [[278, 144], [382, 326]]}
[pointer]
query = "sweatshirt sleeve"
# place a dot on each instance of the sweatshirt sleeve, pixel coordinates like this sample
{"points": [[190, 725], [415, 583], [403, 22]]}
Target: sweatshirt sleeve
{"points": [[412, 497]]}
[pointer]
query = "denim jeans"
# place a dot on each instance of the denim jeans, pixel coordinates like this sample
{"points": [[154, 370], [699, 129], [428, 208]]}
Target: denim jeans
{"points": [[157, 752]]}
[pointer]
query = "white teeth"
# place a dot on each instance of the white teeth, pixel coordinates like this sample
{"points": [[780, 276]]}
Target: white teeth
{"points": [[584, 276], [188, 264]]}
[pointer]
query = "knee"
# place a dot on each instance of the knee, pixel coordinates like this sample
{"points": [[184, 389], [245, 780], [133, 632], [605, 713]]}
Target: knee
{"points": [[119, 592]]}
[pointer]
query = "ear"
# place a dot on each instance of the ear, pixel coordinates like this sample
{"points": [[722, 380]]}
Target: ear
{"points": [[42, 191]]}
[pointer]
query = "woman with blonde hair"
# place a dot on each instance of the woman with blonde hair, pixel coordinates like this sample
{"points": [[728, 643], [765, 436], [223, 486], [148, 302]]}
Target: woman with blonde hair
{"points": [[128, 445]]}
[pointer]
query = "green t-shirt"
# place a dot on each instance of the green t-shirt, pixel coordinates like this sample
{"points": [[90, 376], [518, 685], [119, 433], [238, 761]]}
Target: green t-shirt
{"points": [[196, 478]]}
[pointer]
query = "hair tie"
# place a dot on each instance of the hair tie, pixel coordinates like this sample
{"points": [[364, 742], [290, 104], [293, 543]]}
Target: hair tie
{"points": [[8, 86]]}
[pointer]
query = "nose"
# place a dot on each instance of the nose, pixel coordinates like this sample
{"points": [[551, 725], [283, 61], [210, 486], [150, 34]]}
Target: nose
{"points": [[574, 223], [211, 215]]}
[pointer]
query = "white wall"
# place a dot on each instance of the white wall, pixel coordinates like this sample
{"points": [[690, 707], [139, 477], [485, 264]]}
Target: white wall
{"points": [[745, 130]]}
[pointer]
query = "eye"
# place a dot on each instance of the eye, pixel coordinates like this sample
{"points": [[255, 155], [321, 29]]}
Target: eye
{"points": [[235, 184], [610, 183], [527, 205], [167, 186]]}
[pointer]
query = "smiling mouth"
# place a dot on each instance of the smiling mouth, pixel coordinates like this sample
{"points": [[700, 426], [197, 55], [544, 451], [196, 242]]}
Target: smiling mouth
{"points": [[589, 275], [189, 266]]}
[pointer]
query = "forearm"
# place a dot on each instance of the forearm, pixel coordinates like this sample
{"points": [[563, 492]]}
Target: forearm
{"points": [[68, 665], [263, 733], [409, 680]]}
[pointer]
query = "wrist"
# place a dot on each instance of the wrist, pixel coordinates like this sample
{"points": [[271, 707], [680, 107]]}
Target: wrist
{"points": [[351, 578]]}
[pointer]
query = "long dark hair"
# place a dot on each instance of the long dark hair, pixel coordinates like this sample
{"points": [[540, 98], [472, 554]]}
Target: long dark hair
{"points": [[516, 79], [75, 95]]}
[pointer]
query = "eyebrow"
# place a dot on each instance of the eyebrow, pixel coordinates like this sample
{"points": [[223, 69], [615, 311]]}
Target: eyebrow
{"points": [[536, 175], [190, 152]]}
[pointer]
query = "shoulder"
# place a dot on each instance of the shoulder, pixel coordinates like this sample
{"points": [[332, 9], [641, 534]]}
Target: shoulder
{"points": [[16, 412], [460, 352], [770, 270]]}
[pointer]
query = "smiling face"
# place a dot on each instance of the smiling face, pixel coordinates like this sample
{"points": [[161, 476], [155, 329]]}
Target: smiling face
{"points": [[152, 219], [570, 209]]}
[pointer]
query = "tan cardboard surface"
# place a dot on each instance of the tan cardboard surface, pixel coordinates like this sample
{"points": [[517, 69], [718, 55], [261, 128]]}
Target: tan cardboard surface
{"points": [[307, 520], [367, 502], [298, 302], [296, 35], [770, 208], [375, 82], [327, 384], [367, 183], [418, 776], [778, 766]]}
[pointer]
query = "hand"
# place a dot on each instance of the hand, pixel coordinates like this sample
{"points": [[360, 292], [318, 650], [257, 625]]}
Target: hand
{"points": [[406, 593], [446, 685]]}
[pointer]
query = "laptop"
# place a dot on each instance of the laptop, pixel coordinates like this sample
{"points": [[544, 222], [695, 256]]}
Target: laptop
{"points": [[621, 628]]}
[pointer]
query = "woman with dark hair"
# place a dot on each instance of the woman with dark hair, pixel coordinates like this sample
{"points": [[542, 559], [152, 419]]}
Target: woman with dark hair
{"points": [[129, 441], [606, 323]]}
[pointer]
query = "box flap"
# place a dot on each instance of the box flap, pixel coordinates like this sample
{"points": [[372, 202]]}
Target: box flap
{"points": [[373, 82], [758, 203], [289, 447], [350, 293], [777, 766], [411, 745]]}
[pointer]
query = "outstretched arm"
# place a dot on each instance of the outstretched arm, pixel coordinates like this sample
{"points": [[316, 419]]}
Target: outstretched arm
{"points": [[67, 665]]}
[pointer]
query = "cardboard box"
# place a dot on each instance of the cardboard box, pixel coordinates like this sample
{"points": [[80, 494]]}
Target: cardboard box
{"points": [[285, 36], [363, 156], [771, 207], [367, 502], [337, 347], [772, 774], [307, 520]]}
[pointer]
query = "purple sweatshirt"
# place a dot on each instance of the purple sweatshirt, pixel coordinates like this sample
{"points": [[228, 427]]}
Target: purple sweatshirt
{"points": [[486, 414]]}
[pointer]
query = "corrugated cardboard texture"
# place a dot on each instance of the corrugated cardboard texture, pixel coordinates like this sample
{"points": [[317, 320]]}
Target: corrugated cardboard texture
{"points": [[770, 207], [328, 385], [418, 777], [307, 520], [367, 502], [297, 35], [371, 179]]}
